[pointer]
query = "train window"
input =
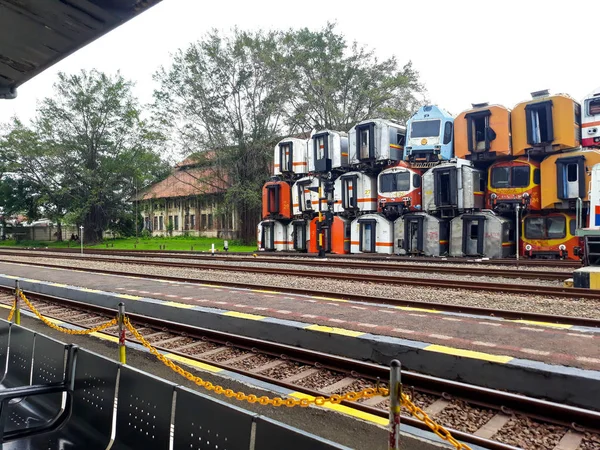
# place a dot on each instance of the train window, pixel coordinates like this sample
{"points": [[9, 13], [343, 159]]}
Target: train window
{"points": [[400, 139], [520, 176], [425, 128], [593, 106], [349, 188], [321, 147], [474, 231], [536, 176], [285, 157], [363, 144], [534, 228], [556, 227], [393, 182], [416, 180], [572, 227], [500, 177], [572, 172], [540, 128], [447, 133]]}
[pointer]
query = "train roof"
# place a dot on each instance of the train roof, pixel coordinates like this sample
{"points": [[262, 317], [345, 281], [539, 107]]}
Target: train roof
{"points": [[430, 112], [381, 121], [34, 35]]}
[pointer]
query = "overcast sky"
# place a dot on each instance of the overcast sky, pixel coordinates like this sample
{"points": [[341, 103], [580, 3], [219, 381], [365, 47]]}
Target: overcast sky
{"points": [[465, 51]]}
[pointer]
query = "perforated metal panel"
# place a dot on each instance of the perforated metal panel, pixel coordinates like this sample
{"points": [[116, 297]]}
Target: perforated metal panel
{"points": [[4, 334], [19, 358], [271, 435], [48, 360], [204, 423], [143, 410]]}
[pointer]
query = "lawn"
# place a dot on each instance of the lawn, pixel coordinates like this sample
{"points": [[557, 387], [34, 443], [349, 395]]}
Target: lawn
{"points": [[198, 244]]}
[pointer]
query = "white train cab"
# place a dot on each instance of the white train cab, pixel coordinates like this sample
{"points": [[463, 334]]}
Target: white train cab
{"points": [[376, 141], [273, 236], [372, 233], [590, 120], [305, 197], [421, 234], [291, 157], [355, 192], [328, 151], [483, 234]]}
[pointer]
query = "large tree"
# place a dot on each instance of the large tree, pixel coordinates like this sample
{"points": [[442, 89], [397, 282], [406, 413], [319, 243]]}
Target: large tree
{"points": [[86, 150], [229, 99]]}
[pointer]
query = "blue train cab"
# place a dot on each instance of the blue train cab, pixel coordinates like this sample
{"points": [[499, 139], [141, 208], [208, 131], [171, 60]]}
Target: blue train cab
{"points": [[429, 135]]}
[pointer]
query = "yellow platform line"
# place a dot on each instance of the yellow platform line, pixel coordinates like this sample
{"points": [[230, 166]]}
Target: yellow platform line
{"points": [[179, 305], [562, 326], [334, 330], [331, 299], [129, 297], [468, 353], [242, 315]]}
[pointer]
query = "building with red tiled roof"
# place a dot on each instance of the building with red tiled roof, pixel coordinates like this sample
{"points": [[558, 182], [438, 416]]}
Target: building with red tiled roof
{"points": [[188, 201]]}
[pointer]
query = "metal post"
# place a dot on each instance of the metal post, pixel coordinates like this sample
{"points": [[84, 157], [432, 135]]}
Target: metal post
{"points": [[395, 405], [17, 303], [81, 234], [517, 237], [212, 249], [121, 320]]}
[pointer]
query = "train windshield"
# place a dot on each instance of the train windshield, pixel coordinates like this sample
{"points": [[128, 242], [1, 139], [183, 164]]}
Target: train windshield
{"points": [[425, 128], [510, 177], [593, 107], [393, 182], [551, 227]]}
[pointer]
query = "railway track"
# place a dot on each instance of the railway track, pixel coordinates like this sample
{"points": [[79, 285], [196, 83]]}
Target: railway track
{"points": [[475, 415], [416, 304], [332, 258], [375, 266]]}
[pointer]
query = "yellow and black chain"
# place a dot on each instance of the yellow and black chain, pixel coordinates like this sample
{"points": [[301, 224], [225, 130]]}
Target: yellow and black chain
{"points": [[95, 329]]}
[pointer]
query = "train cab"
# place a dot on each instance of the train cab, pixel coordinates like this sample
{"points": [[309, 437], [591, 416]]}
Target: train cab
{"points": [[328, 151], [545, 124], [355, 193], [376, 141], [291, 157], [398, 190], [453, 187], [566, 178], [550, 236], [482, 234], [336, 235], [272, 236], [590, 122], [298, 235], [305, 197], [421, 234], [512, 183], [483, 133], [276, 200], [429, 135], [372, 233]]}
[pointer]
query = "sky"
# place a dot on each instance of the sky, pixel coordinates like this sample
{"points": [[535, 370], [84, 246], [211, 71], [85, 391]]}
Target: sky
{"points": [[465, 51]]}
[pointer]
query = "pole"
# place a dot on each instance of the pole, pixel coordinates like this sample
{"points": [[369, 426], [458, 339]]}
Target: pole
{"points": [[517, 237], [136, 213], [395, 405], [81, 237], [121, 320], [17, 303]]}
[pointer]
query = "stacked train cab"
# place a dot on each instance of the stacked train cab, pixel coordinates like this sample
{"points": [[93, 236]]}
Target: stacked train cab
{"points": [[489, 183]]}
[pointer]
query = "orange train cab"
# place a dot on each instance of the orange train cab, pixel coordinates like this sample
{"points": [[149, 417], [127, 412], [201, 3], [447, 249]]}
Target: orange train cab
{"points": [[336, 236], [545, 124], [550, 236], [483, 133], [276, 200], [512, 183], [566, 177]]}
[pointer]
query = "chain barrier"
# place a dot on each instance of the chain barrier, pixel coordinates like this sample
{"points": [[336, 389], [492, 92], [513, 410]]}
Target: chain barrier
{"points": [[351, 396], [95, 329], [12, 311]]}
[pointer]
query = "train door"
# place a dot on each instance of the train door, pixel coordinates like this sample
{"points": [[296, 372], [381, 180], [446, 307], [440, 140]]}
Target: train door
{"points": [[321, 154], [365, 141], [273, 198], [286, 156], [413, 234], [299, 237], [473, 233], [444, 237], [479, 132], [349, 192], [571, 177], [445, 189], [304, 197], [268, 235], [540, 128], [368, 235]]}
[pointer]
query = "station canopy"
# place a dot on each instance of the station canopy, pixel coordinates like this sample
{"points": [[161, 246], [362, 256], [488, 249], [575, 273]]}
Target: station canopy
{"points": [[35, 34]]}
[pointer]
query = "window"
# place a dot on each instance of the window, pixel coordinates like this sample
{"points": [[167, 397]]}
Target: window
{"points": [[593, 107], [394, 182], [171, 222], [447, 133], [425, 128], [210, 221], [540, 129], [349, 188], [510, 177], [160, 223], [474, 231], [572, 227], [549, 227], [367, 237], [572, 172], [176, 222], [156, 223], [363, 144], [186, 219], [416, 180], [400, 139], [193, 221], [273, 198], [203, 222], [286, 157], [536, 176], [320, 142]]}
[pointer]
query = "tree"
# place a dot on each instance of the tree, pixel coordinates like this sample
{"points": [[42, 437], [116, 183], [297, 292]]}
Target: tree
{"points": [[86, 150], [228, 99]]}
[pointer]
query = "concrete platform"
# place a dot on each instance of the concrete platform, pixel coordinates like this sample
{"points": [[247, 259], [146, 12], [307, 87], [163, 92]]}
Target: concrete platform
{"points": [[575, 386]]}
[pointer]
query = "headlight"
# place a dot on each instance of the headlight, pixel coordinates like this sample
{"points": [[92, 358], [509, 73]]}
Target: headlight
{"points": [[562, 247], [493, 196], [525, 195], [528, 247]]}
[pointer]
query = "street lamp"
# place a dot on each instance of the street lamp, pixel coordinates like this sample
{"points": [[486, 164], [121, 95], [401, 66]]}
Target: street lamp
{"points": [[81, 235]]}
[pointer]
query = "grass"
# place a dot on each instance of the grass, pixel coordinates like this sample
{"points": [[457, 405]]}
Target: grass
{"points": [[198, 244]]}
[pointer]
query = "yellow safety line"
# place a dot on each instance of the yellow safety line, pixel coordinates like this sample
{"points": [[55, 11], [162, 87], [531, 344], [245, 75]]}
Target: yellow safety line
{"points": [[242, 315], [129, 297], [178, 305], [468, 353], [562, 326], [334, 330]]}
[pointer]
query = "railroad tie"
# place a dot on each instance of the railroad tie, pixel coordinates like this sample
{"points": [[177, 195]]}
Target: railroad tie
{"points": [[214, 351], [492, 426], [239, 358], [437, 406], [339, 385], [190, 345], [570, 441], [299, 376], [373, 401], [167, 341], [268, 366]]}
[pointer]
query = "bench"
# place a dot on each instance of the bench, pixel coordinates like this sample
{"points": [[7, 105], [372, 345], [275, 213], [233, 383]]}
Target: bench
{"points": [[78, 399]]}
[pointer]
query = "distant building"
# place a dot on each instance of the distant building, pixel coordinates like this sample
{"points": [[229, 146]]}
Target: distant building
{"points": [[191, 200]]}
